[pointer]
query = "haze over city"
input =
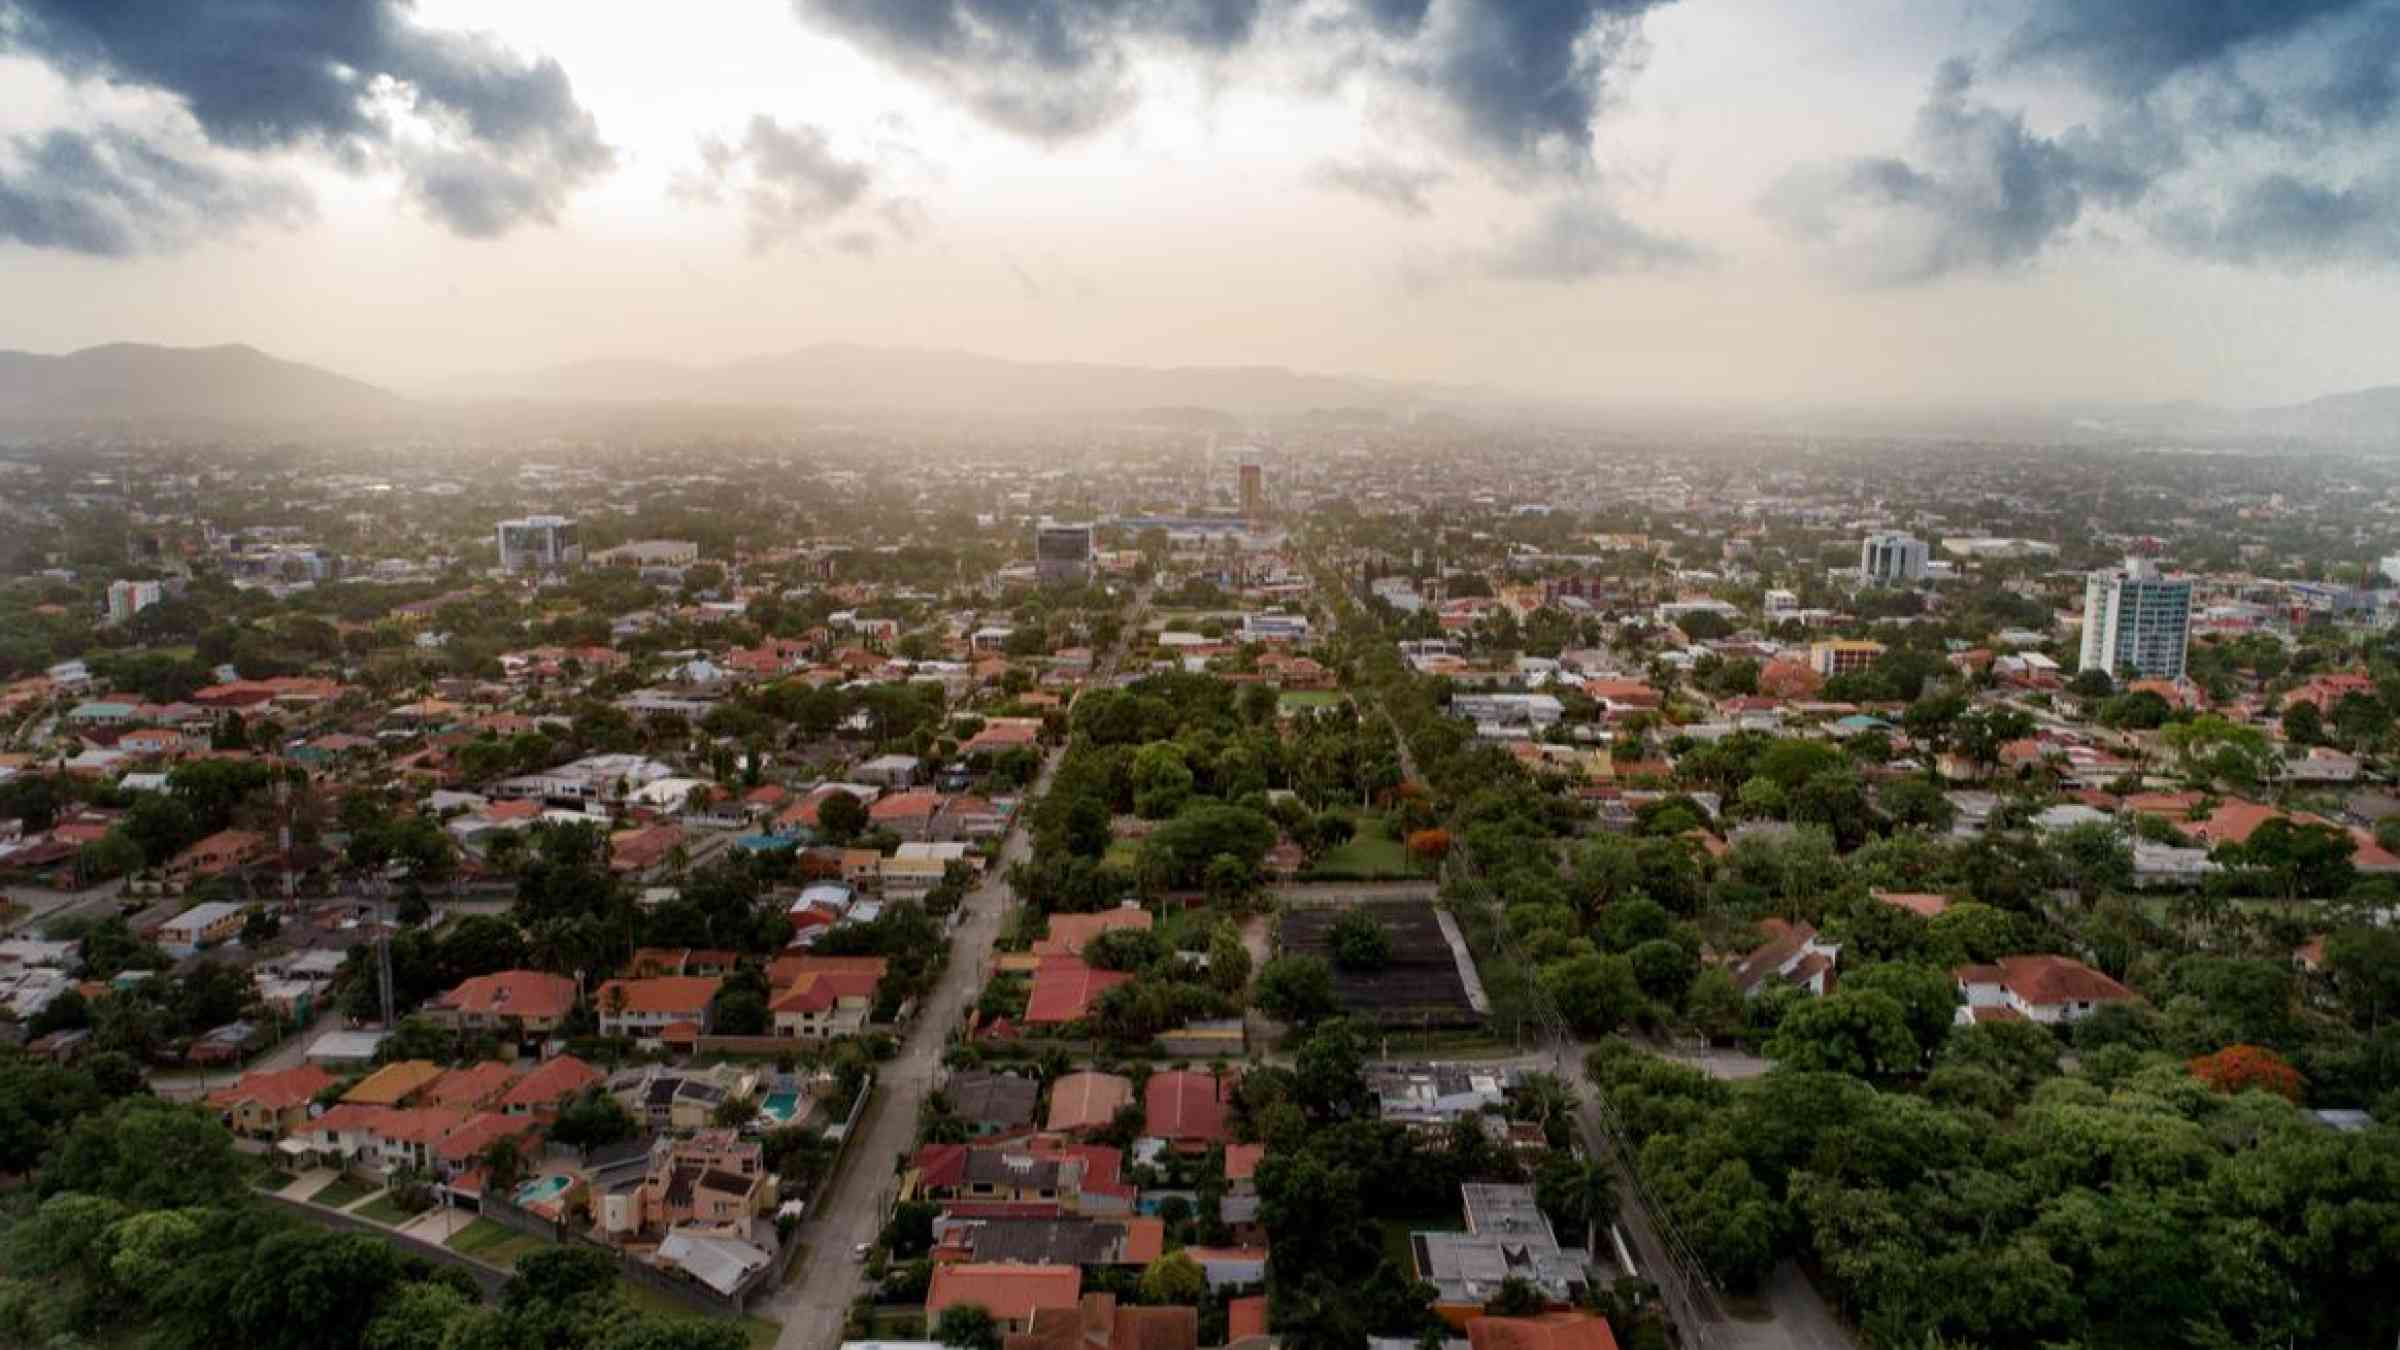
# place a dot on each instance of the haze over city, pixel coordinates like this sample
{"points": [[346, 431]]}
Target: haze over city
{"points": [[1695, 201], [1200, 675]]}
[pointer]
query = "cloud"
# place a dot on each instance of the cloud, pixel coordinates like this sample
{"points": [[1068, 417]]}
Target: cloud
{"points": [[2283, 220], [486, 140], [1048, 70], [114, 194], [1523, 79], [1391, 185], [1981, 191], [2250, 134], [1582, 238], [790, 182]]}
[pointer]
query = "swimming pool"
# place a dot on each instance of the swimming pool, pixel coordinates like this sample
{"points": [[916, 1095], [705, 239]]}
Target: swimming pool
{"points": [[782, 1106], [544, 1190]]}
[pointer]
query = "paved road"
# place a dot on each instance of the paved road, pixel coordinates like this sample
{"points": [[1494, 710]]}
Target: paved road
{"points": [[816, 1299], [42, 904]]}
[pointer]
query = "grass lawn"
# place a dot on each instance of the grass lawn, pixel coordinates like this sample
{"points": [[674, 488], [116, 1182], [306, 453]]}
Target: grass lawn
{"points": [[1292, 699], [1122, 853], [897, 1324], [489, 1242], [343, 1191], [381, 1209], [1369, 853], [1396, 1231], [761, 1331]]}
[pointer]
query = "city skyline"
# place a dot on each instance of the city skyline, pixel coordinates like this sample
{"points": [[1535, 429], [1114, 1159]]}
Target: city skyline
{"points": [[1602, 201]]}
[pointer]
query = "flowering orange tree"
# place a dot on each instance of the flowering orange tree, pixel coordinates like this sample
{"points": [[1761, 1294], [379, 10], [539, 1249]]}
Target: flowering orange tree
{"points": [[2238, 1068]]}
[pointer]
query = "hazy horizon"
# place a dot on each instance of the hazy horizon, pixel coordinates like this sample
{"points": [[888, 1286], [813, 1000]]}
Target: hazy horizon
{"points": [[1594, 200]]}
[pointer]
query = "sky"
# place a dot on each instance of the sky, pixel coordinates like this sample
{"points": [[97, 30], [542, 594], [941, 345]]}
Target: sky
{"points": [[1806, 200]]}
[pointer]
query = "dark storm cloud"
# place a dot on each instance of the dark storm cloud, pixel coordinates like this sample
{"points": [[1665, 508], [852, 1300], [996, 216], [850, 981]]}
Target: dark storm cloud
{"points": [[1580, 239], [2228, 131], [273, 75], [1395, 187], [2283, 220], [115, 195], [789, 182], [1049, 70], [1981, 191], [1521, 78]]}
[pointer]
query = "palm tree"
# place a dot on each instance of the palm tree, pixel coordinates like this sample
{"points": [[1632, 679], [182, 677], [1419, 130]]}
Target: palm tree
{"points": [[504, 1166]]}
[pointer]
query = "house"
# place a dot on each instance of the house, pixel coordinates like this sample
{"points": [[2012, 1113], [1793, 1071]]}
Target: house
{"points": [[1012, 1294], [714, 1177], [269, 1103], [642, 849], [1545, 1331], [1048, 1240], [218, 854], [891, 771], [647, 1009], [993, 1103], [1186, 1107], [1507, 1238], [1069, 934], [648, 961], [1792, 954], [1087, 1100], [394, 1084], [553, 1082], [202, 926], [2052, 990], [1066, 990], [523, 1005], [473, 1087], [917, 867], [722, 1263], [464, 1148], [1070, 1177], [907, 814], [1101, 1323], [1239, 1205], [823, 996], [1230, 1267]]}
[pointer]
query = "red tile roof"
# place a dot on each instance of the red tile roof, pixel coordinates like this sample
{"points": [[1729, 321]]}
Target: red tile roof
{"points": [[274, 1089], [2048, 980], [1087, 1100], [919, 804], [1070, 933], [1245, 1316], [472, 1085], [512, 993], [1549, 1331], [555, 1080], [664, 994], [1066, 990], [1009, 1292], [471, 1139], [1186, 1105]]}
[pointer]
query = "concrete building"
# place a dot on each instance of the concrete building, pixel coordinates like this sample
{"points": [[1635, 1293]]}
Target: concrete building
{"points": [[1062, 553], [1892, 559], [2136, 623], [539, 543], [1843, 657], [1254, 491], [1506, 1238], [128, 598]]}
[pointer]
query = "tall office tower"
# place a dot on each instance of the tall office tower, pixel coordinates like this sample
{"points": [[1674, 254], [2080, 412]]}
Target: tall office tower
{"points": [[1254, 491], [539, 543], [1891, 559], [2136, 623], [1062, 552]]}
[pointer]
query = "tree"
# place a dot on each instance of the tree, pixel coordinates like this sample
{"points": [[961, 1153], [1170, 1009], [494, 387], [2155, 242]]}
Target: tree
{"points": [[1715, 1004], [2364, 963], [841, 817], [1575, 1192], [2239, 1068], [1429, 846], [1664, 969], [2302, 723], [1927, 997], [968, 1326], [1595, 993], [1297, 988], [1228, 960], [1916, 803], [1173, 1280], [2304, 858], [1863, 1033], [304, 1289], [1359, 941], [2093, 858], [593, 1121]]}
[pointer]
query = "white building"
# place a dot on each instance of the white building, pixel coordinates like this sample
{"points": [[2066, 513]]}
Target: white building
{"points": [[539, 543], [2136, 623], [128, 598], [1892, 559]]}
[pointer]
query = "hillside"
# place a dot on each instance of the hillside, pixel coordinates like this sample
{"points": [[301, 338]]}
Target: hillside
{"points": [[135, 382]]}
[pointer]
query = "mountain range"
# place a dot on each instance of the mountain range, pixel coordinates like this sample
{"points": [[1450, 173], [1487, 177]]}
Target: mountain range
{"points": [[132, 383]]}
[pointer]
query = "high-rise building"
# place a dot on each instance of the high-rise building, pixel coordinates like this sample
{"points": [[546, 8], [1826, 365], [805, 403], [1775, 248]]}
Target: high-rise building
{"points": [[2136, 623], [1891, 559], [1254, 491], [539, 543], [1062, 552], [128, 598]]}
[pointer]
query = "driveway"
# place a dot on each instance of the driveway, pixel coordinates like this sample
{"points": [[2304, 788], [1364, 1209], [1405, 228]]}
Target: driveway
{"points": [[437, 1224]]}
